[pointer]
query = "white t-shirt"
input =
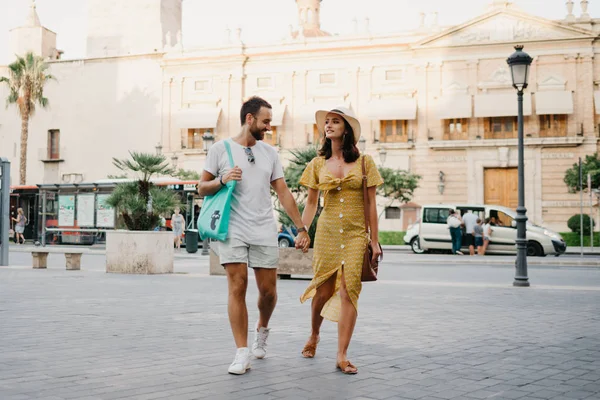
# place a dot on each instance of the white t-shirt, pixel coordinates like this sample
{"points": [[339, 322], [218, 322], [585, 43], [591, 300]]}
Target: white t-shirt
{"points": [[470, 220], [252, 220], [453, 221]]}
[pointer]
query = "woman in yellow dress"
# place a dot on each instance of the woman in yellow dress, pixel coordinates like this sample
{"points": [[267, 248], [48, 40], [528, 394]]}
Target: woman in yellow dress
{"points": [[340, 240]]}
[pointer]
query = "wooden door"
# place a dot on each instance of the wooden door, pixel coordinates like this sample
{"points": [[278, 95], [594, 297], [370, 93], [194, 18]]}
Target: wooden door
{"points": [[501, 187]]}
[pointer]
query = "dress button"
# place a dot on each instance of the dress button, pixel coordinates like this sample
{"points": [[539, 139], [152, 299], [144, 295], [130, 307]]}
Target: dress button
{"points": [[341, 215], [341, 231], [341, 200], [339, 188], [342, 246]]}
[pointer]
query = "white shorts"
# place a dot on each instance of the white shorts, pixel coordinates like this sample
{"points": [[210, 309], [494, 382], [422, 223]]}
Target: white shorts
{"points": [[235, 251]]}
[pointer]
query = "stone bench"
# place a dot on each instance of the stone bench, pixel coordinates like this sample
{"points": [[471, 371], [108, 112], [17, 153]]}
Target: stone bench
{"points": [[72, 258], [291, 262]]}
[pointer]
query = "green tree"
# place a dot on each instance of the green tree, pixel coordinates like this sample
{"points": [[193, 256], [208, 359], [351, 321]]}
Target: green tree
{"points": [[187, 175], [590, 165], [141, 203], [26, 79], [398, 185]]}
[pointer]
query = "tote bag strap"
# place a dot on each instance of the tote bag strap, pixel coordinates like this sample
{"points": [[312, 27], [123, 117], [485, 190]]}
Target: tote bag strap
{"points": [[228, 148]]}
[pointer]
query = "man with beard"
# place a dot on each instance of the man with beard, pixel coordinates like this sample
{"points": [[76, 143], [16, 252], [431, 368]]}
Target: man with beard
{"points": [[252, 234]]}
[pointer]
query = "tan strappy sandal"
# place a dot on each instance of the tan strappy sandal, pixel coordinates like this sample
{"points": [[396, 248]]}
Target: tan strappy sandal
{"points": [[344, 365], [310, 350]]}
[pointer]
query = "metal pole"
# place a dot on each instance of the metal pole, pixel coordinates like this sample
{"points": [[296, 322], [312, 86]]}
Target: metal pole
{"points": [[4, 209], [205, 247], [589, 178], [521, 278], [580, 208], [44, 205]]}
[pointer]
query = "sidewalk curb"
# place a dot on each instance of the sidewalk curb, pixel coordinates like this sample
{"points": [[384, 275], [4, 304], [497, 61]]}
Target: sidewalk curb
{"points": [[491, 261]]}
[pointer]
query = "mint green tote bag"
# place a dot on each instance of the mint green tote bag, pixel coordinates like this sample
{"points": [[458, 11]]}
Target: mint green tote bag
{"points": [[213, 221]]}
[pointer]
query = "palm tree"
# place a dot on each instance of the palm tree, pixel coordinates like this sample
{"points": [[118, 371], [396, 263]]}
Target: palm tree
{"points": [[140, 202], [27, 78]]}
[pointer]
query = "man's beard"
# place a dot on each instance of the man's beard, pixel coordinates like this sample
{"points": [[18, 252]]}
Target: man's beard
{"points": [[257, 133]]}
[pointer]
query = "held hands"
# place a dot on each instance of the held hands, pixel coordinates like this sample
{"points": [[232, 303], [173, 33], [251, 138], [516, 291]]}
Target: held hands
{"points": [[303, 241], [235, 174]]}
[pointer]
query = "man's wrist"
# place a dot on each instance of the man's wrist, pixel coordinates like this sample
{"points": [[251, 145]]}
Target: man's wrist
{"points": [[221, 180], [302, 229]]}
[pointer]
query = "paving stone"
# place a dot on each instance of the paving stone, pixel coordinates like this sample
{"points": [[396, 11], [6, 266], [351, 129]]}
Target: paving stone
{"points": [[106, 337]]}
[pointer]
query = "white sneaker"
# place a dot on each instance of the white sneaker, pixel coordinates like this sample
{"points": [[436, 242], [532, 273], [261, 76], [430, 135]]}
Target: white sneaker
{"points": [[241, 362], [259, 347]]}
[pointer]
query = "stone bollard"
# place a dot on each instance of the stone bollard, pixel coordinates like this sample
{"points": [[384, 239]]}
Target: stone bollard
{"points": [[73, 261], [40, 259]]}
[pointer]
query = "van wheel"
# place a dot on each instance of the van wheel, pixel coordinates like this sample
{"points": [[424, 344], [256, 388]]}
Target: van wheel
{"points": [[415, 246], [284, 243], [534, 250]]}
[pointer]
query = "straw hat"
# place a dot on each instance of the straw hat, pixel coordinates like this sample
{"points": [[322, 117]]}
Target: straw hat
{"points": [[343, 112]]}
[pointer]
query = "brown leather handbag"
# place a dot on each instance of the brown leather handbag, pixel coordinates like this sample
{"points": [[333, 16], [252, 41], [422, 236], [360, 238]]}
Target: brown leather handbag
{"points": [[370, 267]]}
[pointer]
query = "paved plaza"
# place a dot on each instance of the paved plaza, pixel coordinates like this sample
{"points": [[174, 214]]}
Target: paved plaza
{"points": [[424, 331]]}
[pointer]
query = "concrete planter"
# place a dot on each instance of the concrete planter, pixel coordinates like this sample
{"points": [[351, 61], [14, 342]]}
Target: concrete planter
{"points": [[139, 252], [291, 262]]}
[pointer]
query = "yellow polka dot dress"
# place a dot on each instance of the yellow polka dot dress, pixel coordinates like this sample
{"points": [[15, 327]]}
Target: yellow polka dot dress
{"points": [[340, 241]]}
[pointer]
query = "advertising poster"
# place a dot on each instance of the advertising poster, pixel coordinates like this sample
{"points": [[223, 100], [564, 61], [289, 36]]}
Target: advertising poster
{"points": [[85, 210], [105, 214], [66, 210]]}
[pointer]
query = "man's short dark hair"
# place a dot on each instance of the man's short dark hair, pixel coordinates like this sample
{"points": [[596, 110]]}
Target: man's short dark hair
{"points": [[253, 106]]}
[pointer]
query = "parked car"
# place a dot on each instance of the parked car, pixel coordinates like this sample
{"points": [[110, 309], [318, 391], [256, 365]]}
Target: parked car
{"points": [[411, 237], [435, 235], [287, 235]]}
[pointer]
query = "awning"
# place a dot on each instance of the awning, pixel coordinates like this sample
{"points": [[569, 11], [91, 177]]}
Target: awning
{"points": [[554, 102], [278, 115], [392, 109], [197, 118], [307, 111], [597, 101], [500, 105], [455, 106]]}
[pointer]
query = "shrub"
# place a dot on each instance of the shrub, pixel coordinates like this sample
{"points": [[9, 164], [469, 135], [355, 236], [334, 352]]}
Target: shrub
{"points": [[574, 223]]}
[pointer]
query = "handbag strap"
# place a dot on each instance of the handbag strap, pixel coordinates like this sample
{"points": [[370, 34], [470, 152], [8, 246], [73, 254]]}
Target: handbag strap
{"points": [[365, 195]]}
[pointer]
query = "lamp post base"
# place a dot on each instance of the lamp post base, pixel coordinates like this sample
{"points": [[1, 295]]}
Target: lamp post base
{"points": [[521, 281]]}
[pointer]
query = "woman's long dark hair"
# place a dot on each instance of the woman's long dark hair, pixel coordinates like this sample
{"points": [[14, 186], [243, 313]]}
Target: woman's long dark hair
{"points": [[349, 149]]}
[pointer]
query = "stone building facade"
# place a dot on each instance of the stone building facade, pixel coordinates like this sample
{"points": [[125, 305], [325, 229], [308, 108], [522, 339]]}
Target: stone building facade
{"points": [[436, 101]]}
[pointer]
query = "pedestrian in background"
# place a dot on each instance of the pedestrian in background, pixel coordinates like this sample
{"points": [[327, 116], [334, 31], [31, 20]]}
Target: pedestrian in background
{"points": [[454, 223], [478, 236], [470, 220], [177, 224], [21, 220]]}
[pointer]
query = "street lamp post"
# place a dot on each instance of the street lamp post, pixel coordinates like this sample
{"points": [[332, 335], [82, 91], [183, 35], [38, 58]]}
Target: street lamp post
{"points": [[519, 63], [382, 156], [362, 144], [207, 141]]}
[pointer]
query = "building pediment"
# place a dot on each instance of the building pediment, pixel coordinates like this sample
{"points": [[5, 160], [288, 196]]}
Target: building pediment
{"points": [[502, 26]]}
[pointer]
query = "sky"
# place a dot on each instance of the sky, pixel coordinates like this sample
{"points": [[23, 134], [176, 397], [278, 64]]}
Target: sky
{"points": [[266, 20]]}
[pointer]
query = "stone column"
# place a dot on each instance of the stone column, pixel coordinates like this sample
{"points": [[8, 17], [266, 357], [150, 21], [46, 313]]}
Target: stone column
{"points": [[166, 116], [573, 120], [585, 93], [476, 127], [422, 134], [234, 102], [532, 123]]}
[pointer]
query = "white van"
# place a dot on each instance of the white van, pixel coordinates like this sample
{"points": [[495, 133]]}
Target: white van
{"points": [[435, 235]]}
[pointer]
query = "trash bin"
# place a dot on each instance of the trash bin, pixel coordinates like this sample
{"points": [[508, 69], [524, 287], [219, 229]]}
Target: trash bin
{"points": [[191, 240]]}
